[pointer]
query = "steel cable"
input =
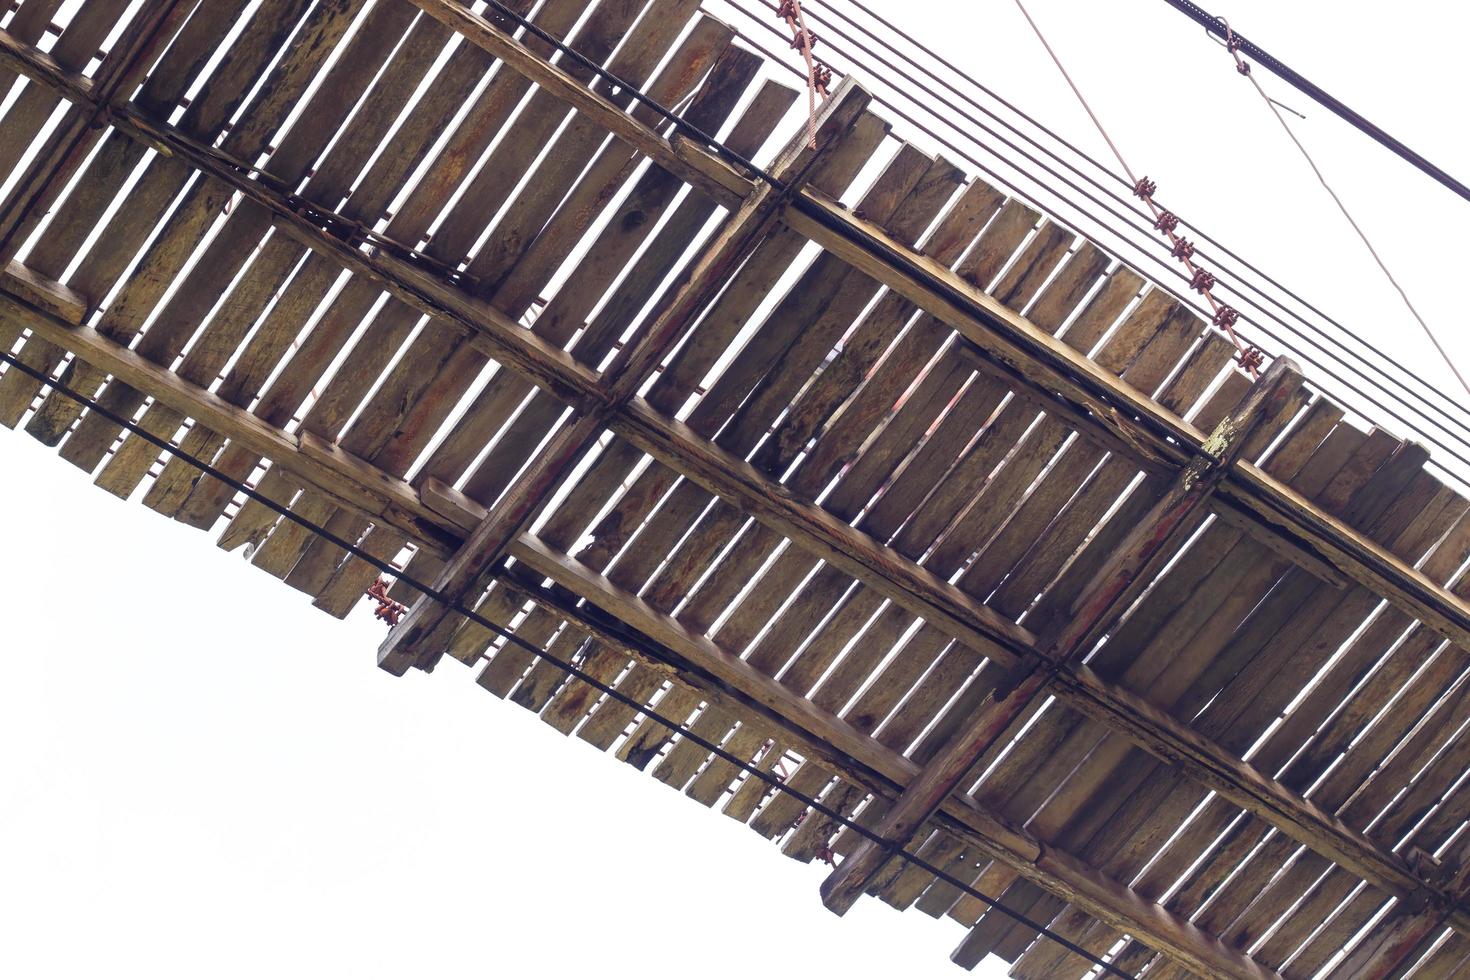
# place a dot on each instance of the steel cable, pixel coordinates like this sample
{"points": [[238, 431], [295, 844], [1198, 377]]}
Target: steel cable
{"points": [[1151, 255], [1121, 182]]}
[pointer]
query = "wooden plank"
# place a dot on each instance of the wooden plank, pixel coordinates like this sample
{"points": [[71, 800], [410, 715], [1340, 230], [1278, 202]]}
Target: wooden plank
{"points": [[131, 55], [703, 280], [1054, 867], [425, 383]]}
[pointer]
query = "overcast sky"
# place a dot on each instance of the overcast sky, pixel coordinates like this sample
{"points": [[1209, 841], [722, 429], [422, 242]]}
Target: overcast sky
{"points": [[206, 776]]}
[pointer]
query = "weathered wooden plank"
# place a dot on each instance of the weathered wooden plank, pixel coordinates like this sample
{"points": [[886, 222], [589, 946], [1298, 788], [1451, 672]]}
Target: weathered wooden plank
{"points": [[703, 280], [151, 27], [403, 414], [224, 91], [1116, 585]]}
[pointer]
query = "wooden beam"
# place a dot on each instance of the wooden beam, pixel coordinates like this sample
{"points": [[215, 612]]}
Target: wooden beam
{"points": [[1071, 386], [426, 627], [1129, 570], [347, 479], [43, 292], [412, 640], [1154, 436], [67, 146], [813, 728]]}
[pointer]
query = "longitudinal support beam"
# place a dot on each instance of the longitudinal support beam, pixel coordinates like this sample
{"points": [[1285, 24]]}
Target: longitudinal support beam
{"points": [[1097, 401], [833, 741], [441, 525], [1106, 597], [1073, 387], [424, 631], [1156, 437], [67, 146]]}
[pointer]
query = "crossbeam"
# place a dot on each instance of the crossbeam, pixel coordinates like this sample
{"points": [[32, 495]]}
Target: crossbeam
{"points": [[1111, 591], [1072, 386], [890, 574], [423, 631]]}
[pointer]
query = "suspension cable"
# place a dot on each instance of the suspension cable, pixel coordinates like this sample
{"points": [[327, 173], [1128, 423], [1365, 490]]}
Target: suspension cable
{"points": [[837, 19], [1415, 395], [1233, 44], [896, 849], [1211, 22]]}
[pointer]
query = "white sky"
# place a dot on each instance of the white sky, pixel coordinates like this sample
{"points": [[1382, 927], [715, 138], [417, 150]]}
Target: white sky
{"points": [[204, 775]]}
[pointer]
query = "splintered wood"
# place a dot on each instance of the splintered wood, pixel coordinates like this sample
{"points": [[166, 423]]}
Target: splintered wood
{"points": [[853, 465]]}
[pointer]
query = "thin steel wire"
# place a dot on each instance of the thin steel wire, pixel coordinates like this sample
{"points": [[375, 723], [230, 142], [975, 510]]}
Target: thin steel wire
{"points": [[831, 13], [1271, 104], [1151, 255]]}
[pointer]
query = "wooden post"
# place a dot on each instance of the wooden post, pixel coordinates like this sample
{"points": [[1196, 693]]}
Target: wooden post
{"points": [[1114, 587]]}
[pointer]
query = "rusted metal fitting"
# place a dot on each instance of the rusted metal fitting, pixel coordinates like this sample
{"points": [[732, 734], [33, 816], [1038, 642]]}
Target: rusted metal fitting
{"points": [[1145, 188], [1226, 317], [804, 40], [787, 10], [389, 610], [1244, 67], [822, 79], [1183, 248], [1203, 281], [1251, 358], [1166, 221]]}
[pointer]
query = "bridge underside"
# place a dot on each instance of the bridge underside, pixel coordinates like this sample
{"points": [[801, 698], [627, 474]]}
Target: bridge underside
{"points": [[893, 488]]}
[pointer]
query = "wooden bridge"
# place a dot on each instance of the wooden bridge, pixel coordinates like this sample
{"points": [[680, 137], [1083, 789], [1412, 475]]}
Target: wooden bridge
{"points": [[907, 498]]}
